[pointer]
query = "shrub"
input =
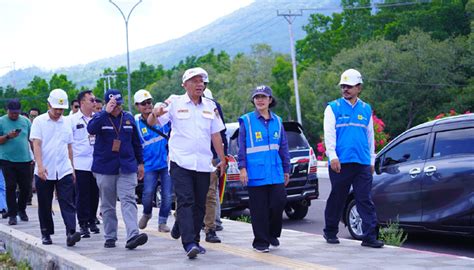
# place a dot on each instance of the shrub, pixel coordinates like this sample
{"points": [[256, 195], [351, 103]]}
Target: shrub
{"points": [[392, 234]]}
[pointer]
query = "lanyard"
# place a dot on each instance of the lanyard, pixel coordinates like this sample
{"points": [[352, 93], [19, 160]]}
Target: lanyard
{"points": [[117, 131]]}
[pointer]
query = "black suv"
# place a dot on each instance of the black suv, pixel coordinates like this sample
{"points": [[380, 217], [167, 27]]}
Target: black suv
{"points": [[425, 179], [303, 185]]}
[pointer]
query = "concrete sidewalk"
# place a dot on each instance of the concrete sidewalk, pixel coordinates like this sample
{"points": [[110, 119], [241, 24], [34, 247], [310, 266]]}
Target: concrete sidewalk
{"points": [[297, 251]]}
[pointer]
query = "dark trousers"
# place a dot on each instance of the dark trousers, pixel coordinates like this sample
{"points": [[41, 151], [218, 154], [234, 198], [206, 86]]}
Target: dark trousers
{"points": [[45, 192], [360, 177], [17, 173], [266, 209], [191, 189], [87, 197]]}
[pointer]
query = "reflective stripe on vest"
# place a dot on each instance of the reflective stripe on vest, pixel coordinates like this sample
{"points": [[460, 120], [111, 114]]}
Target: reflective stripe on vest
{"points": [[264, 148], [351, 124]]}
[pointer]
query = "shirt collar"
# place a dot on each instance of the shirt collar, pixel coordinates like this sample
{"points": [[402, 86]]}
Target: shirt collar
{"points": [[355, 104], [258, 115], [187, 99], [59, 120]]}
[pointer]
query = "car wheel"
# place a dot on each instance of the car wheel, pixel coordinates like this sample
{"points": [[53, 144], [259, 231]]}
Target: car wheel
{"points": [[354, 221], [296, 211]]}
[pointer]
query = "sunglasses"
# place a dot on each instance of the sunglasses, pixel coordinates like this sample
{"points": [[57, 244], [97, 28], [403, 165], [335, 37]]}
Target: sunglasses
{"points": [[146, 102], [345, 86], [76, 106], [93, 100]]}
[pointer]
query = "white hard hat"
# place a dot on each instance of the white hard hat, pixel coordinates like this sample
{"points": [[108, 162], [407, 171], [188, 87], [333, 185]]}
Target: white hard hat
{"points": [[351, 77], [141, 95], [208, 93], [189, 73], [58, 99]]}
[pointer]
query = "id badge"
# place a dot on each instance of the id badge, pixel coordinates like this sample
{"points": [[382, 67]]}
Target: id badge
{"points": [[116, 145], [91, 139]]}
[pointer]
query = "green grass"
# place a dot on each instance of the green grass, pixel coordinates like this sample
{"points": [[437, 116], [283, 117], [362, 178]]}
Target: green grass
{"points": [[245, 219], [7, 262], [392, 234]]}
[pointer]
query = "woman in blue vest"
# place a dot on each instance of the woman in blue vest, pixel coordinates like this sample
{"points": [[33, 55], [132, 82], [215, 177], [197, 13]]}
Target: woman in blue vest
{"points": [[264, 163]]}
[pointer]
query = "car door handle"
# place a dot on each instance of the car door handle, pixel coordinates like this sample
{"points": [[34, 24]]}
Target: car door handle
{"points": [[430, 170], [414, 172]]}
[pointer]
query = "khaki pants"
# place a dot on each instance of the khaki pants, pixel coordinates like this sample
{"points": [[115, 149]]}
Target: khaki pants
{"points": [[211, 202]]}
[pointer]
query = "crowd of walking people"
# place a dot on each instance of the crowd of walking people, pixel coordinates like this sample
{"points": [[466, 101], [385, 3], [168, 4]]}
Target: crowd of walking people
{"points": [[96, 155]]}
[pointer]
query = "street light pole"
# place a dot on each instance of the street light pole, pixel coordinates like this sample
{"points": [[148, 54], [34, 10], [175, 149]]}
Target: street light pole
{"points": [[128, 54], [290, 17]]}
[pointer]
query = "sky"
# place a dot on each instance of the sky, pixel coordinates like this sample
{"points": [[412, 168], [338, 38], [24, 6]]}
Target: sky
{"points": [[60, 33]]}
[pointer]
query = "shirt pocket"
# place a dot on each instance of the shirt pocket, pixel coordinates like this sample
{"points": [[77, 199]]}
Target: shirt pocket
{"points": [[183, 114], [206, 119]]}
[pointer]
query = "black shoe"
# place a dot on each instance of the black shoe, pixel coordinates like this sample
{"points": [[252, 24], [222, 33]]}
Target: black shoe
{"points": [[4, 213], [137, 240], [211, 237], [85, 231], [12, 221], [331, 239], [175, 231], [219, 228], [372, 243], [261, 249], [23, 216], [46, 239], [29, 202], [93, 227], [97, 221], [109, 243], [274, 243], [73, 238]]}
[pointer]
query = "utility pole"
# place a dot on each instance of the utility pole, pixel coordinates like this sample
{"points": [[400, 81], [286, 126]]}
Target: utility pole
{"points": [[290, 17], [126, 19]]}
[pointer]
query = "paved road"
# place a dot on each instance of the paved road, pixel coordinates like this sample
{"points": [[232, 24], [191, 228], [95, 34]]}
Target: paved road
{"points": [[314, 223]]}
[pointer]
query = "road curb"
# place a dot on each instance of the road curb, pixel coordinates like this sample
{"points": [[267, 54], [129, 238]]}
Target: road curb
{"points": [[23, 246]]}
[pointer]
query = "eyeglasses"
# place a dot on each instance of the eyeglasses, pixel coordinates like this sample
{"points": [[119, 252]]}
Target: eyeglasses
{"points": [[76, 106], [93, 100], [146, 102]]}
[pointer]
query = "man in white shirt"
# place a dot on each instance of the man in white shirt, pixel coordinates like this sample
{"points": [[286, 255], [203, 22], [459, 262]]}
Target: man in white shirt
{"points": [[195, 123], [87, 192], [52, 146]]}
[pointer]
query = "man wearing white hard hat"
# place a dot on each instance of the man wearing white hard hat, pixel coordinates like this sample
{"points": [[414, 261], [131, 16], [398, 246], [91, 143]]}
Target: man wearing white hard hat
{"points": [[195, 122], [52, 144], [349, 139], [154, 140]]}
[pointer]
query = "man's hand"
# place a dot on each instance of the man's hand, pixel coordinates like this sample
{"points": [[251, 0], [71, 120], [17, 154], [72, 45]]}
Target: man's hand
{"points": [[372, 169], [141, 172], [336, 165], [13, 134], [159, 111], [111, 105], [287, 178], [73, 176], [42, 173], [244, 179], [222, 166]]}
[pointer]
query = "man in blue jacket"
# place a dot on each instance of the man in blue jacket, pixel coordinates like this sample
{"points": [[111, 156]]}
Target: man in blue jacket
{"points": [[154, 140], [117, 158], [349, 139]]}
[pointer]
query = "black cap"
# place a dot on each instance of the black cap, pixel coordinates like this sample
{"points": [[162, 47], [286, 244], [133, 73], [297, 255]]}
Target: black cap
{"points": [[14, 106]]}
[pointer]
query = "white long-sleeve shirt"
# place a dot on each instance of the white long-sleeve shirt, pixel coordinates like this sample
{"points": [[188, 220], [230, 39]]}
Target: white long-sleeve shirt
{"points": [[330, 134]]}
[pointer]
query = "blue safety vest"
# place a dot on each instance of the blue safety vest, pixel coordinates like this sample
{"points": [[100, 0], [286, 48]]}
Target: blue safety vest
{"points": [[155, 154], [352, 124], [264, 165]]}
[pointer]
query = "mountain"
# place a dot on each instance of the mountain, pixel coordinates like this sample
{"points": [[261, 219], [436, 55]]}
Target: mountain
{"points": [[234, 33]]}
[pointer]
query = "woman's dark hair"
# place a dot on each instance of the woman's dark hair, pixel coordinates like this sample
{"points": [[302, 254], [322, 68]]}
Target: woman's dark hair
{"points": [[271, 105]]}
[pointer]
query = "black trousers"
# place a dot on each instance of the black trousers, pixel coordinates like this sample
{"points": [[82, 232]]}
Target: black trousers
{"points": [[45, 192], [87, 197], [191, 190], [266, 209], [360, 177], [17, 174]]}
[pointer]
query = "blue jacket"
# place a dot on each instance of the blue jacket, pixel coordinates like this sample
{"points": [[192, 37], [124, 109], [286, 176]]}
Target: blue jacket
{"points": [[105, 161], [351, 131], [263, 144], [155, 152]]}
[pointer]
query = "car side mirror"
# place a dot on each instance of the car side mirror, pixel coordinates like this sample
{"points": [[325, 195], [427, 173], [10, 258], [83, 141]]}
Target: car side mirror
{"points": [[377, 166]]}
